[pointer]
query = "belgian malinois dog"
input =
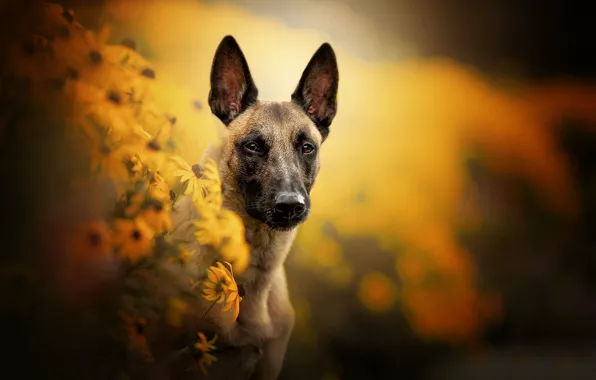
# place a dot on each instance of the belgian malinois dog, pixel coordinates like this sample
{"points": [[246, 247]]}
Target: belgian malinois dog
{"points": [[268, 162]]}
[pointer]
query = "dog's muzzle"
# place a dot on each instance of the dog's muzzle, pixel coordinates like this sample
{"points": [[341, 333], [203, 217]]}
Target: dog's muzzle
{"points": [[289, 210]]}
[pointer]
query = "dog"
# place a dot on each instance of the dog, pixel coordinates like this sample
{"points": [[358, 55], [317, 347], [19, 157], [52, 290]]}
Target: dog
{"points": [[268, 162]]}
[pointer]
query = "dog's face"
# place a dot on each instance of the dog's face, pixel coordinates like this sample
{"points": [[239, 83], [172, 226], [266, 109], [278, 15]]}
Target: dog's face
{"points": [[271, 155]]}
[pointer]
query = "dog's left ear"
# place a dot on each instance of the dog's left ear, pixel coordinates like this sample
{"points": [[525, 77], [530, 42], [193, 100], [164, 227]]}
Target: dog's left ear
{"points": [[232, 88], [316, 92]]}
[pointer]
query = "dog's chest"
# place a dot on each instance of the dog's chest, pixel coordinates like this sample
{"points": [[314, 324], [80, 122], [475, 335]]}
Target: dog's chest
{"points": [[255, 323]]}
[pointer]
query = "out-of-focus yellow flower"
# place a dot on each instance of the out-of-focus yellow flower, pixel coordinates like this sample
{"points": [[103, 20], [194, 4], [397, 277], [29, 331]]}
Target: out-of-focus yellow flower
{"points": [[377, 292], [106, 163], [207, 229], [91, 240], [329, 253], [152, 155], [157, 216], [133, 239], [211, 183], [107, 150], [137, 335], [216, 227], [205, 361], [236, 251], [134, 203], [224, 231], [158, 188], [184, 255], [342, 274], [135, 167], [205, 345], [175, 311]]}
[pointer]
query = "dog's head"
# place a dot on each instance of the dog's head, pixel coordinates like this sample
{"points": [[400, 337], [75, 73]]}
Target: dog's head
{"points": [[271, 155]]}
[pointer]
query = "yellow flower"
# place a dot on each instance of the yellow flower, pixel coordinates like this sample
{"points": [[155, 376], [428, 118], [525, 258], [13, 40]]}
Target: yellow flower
{"points": [[107, 153], [134, 203], [133, 239], [236, 251], [211, 183], [91, 240], [205, 345], [224, 231], [189, 176], [215, 227], [235, 293], [221, 286], [106, 163], [202, 181], [135, 167], [208, 231], [137, 335], [157, 216], [175, 311], [377, 292], [205, 361], [152, 155], [214, 286], [158, 188], [184, 255]]}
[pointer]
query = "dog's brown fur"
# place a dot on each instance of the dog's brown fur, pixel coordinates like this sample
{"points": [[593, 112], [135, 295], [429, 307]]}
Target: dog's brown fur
{"points": [[262, 331]]}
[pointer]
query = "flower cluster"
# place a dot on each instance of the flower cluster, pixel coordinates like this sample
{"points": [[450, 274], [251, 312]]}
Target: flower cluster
{"points": [[121, 137]]}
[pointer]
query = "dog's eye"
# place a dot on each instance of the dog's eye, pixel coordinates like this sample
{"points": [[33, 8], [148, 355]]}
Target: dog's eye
{"points": [[252, 147], [307, 148]]}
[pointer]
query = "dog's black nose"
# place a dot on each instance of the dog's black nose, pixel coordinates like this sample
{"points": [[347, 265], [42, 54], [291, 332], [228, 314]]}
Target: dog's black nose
{"points": [[289, 205]]}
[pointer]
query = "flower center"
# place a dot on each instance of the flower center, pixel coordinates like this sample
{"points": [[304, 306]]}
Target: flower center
{"points": [[154, 145], [95, 239], [197, 170], [241, 290], [220, 287], [136, 235]]}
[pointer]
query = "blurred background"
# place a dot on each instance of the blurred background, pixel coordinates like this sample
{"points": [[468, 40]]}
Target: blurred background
{"points": [[451, 235]]}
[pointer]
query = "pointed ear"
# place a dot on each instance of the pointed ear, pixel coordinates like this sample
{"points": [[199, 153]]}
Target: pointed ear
{"points": [[316, 92], [232, 89]]}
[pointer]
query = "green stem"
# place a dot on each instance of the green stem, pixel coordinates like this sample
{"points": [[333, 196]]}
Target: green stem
{"points": [[208, 310]]}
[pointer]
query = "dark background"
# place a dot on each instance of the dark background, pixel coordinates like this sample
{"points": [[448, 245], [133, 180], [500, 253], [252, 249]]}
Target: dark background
{"points": [[539, 39]]}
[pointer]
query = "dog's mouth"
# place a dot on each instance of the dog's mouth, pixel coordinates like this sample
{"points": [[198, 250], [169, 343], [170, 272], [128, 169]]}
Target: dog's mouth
{"points": [[285, 225], [275, 221]]}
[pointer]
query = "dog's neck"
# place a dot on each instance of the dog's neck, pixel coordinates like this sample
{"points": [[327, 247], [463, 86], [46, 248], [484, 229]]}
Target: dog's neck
{"points": [[268, 247], [268, 251]]}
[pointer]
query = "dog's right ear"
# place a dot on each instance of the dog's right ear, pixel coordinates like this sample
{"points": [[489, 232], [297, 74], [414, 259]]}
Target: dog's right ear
{"points": [[232, 88]]}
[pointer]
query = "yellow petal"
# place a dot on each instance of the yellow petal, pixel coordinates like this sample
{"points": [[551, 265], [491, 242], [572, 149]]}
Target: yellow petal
{"points": [[232, 296], [221, 298], [227, 306], [213, 275], [209, 285]]}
